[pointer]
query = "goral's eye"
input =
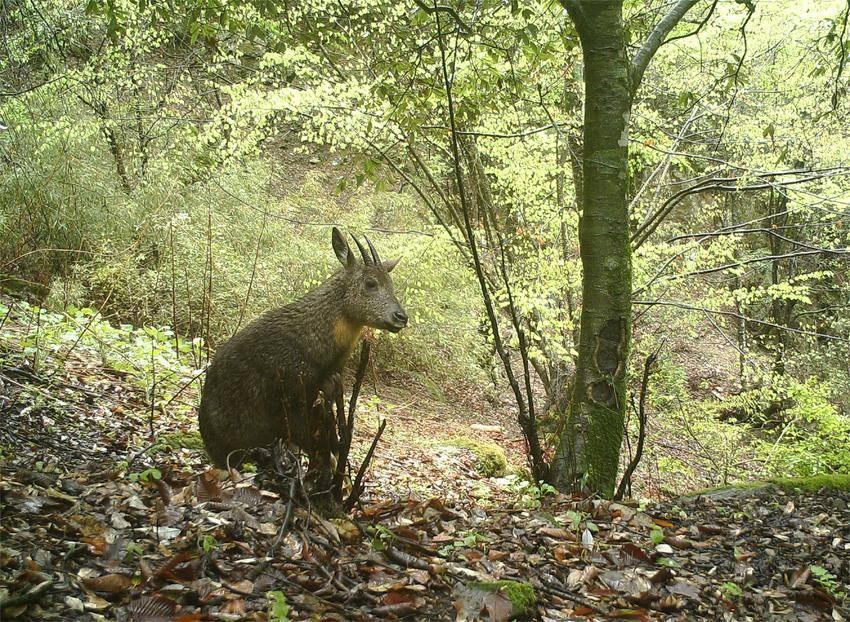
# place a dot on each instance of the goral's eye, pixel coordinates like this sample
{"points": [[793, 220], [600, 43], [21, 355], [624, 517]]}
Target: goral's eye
{"points": [[371, 283]]}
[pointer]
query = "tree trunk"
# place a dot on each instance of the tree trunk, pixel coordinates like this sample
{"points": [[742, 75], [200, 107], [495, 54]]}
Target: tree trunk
{"points": [[589, 449]]}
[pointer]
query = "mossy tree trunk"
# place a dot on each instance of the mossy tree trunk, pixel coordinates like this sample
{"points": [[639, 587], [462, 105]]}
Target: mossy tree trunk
{"points": [[589, 449]]}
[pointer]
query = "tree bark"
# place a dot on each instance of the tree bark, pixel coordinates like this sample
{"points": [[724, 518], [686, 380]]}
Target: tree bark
{"points": [[589, 449]]}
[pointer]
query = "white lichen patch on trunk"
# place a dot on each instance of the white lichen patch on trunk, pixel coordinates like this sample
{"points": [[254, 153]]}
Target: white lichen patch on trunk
{"points": [[624, 135]]}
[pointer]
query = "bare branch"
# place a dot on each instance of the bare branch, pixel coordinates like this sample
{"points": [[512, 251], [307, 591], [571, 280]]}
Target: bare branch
{"points": [[537, 462], [729, 184], [425, 199], [661, 170], [699, 27], [626, 481], [304, 223], [746, 262], [689, 307], [523, 134], [713, 234], [842, 60]]}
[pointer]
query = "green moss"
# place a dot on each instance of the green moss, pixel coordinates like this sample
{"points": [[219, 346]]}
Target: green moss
{"points": [[521, 595], [834, 481], [736, 486], [491, 459], [602, 448], [181, 440]]}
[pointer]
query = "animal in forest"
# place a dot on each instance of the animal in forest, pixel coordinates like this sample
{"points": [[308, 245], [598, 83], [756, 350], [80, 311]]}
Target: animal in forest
{"points": [[263, 382]]}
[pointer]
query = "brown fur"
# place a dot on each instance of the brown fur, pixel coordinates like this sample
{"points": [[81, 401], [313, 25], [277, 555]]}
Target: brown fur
{"points": [[263, 381]]}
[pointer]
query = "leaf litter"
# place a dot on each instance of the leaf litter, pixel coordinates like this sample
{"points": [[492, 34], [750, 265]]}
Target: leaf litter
{"points": [[81, 539]]}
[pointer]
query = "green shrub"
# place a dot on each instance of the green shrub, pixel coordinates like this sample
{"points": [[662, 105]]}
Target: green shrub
{"points": [[815, 437], [798, 431]]}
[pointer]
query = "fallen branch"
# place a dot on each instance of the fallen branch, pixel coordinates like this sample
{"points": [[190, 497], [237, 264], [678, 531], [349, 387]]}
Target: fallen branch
{"points": [[406, 559]]}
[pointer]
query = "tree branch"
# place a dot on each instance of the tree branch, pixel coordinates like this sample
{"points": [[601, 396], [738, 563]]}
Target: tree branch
{"points": [[440, 8], [683, 305], [745, 262], [489, 305], [728, 184], [699, 27], [842, 59], [641, 59], [713, 234], [521, 134], [433, 208], [576, 14]]}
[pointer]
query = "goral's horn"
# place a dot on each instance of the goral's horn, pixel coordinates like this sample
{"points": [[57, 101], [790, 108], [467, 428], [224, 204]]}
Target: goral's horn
{"points": [[366, 259], [375, 256]]}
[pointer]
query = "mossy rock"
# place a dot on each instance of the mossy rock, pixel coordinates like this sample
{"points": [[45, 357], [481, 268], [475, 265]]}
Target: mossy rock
{"points": [[490, 458], [522, 595], [832, 481]]}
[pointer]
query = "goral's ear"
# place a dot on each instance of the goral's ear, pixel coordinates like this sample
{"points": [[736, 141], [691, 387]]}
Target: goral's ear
{"points": [[389, 265], [341, 248]]}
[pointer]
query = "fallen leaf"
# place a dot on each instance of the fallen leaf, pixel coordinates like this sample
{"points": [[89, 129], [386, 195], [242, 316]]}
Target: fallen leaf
{"points": [[558, 533], [684, 588], [207, 486], [397, 597], [662, 576], [498, 607], [800, 576], [236, 607], [668, 604], [711, 530], [632, 614], [579, 576], [632, 550], [108, 583]]}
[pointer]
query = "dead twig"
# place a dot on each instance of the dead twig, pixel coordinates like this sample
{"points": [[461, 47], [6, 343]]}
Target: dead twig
{"points": [[345, 425], [28, 597], [357, 486], [626, 481], [558, 590], [406, 559]]}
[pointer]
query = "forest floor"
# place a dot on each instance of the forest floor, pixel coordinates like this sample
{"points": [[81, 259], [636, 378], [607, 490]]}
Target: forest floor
{"points": [[110, 512]]}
